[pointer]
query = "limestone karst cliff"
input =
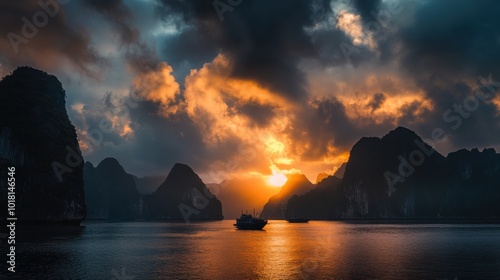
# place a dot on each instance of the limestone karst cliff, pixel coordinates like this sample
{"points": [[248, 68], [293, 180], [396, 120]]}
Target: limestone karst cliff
{"points": [[38, 139]]}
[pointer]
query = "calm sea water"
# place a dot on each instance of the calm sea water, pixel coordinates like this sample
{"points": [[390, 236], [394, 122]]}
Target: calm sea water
{"points": [[215, 250]]}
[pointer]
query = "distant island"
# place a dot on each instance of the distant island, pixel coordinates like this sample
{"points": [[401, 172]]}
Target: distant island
{"points": [[398, 176], [54, 186], [112, 194], [296, 184]]}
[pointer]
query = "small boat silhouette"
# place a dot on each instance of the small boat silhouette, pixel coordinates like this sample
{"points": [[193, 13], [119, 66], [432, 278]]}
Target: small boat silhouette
{"points": [[298, 220], [249, 222]]}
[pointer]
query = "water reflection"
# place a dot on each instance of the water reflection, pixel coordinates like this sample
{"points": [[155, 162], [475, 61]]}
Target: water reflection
{"points": [[36, 250], [317, 250]]}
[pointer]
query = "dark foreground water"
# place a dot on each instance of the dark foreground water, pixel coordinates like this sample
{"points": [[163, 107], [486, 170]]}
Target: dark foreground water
{"points": [[215, 250]]}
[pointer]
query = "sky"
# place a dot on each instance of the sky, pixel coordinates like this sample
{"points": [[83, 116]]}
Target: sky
{"points": [[239, 88]]}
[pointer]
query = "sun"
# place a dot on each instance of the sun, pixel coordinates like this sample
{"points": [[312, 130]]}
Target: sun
{"points": [[277, 180]]}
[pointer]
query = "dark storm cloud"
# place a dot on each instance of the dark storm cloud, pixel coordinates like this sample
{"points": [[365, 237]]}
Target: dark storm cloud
{"points": [[335, 48], [264, 39], [183, 51], [108, 102], [139, 55], [450, 37], [161, 142], [260, 114], [366, 8], [326, 124], [377, 100], [478, 127], [447, 43], [98, 116], [437, 45], [36, 34], [119, 14]]}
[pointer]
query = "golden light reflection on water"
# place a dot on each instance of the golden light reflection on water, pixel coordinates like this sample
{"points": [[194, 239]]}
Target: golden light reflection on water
{"points": [[316, 250], [280, 251], [319, 250], [328, 250], [293, 251]]}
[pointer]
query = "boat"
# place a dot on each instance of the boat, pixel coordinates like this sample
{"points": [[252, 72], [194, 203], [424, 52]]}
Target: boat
{"points": [[298, 220], [247, 221]]}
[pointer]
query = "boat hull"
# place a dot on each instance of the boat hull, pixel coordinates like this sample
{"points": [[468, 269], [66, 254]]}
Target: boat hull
{"points": [[298, 220], [248, 222], [251, 226]]}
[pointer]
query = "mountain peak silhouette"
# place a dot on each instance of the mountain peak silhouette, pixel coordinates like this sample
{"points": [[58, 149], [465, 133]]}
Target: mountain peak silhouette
{"points": [[37, 136], [296, 184], [182, 189]]}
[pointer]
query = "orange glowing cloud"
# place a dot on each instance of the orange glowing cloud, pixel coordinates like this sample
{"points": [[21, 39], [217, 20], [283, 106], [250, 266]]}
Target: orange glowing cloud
{"points": [[356, 89], [351, 24], [159, 86], [213, 99], [496, 101]]}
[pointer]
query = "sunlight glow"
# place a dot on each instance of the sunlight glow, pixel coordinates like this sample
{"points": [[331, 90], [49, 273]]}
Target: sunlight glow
{"points": [[277, 180]]}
